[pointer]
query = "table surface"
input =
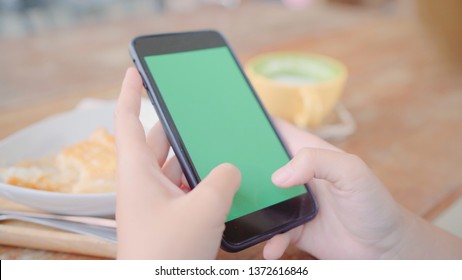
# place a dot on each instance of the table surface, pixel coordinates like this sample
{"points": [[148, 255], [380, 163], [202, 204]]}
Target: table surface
{"points": [[404, 99]]}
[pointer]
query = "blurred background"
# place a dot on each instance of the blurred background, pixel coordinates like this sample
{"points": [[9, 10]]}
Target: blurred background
{"points": [[404, 89], [69, 47]]}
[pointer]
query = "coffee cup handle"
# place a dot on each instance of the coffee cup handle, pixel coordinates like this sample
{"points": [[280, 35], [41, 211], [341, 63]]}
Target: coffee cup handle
{"points": [[312, 110]]}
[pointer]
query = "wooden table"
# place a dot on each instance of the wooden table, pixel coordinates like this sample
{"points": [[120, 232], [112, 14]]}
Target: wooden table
{"points": [[406, 102]]}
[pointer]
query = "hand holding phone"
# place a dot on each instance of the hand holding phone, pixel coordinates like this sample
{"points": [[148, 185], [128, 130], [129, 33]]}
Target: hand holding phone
{"points": [[211, 115], [156, 219]]}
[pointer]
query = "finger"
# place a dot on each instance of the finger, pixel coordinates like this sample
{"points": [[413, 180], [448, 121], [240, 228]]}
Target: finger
{"points": [[158, 143], [297, 139], [277, 245], [216, 192], [133, 160], [129, 132], [172, 170], [185, 188], [339, 168], [185, 182], [174, 173]]}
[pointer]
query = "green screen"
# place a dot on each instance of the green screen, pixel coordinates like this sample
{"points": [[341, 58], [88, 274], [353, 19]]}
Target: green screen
{"points": [[220, 120]]}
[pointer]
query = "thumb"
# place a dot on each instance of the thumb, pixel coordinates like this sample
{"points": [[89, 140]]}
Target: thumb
{"points": [[216, 192], [339, 168]]}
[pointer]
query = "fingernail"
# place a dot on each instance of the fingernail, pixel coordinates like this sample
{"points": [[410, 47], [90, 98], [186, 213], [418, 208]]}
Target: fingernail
{"points": [[281, 175]]}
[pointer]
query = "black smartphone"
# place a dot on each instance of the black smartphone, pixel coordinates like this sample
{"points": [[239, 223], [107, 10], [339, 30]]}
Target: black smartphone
{"points": [[211, 115]]}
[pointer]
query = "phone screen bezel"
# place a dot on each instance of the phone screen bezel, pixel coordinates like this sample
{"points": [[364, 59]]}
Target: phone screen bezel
{"points": [[247, 230]]}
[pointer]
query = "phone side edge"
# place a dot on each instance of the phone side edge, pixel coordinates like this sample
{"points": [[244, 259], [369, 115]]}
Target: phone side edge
{"points": [[166, 122]]}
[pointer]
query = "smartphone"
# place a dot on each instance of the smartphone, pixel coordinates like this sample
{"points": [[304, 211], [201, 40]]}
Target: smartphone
{"points": [[212, 115]]}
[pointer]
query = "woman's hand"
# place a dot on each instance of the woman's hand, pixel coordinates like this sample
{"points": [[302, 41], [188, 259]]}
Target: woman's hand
{"points": [[357, 216], [155, 218]]}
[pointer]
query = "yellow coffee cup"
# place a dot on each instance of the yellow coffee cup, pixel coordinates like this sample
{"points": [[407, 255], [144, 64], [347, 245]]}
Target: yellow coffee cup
{"points": [[302, 88]]}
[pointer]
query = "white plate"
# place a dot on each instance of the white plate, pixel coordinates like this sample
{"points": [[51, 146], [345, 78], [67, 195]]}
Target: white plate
{"points": [[49, 137]]}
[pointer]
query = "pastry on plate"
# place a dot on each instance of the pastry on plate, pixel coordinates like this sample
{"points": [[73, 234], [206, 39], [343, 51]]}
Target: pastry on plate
{"points": [[85, 167]]}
